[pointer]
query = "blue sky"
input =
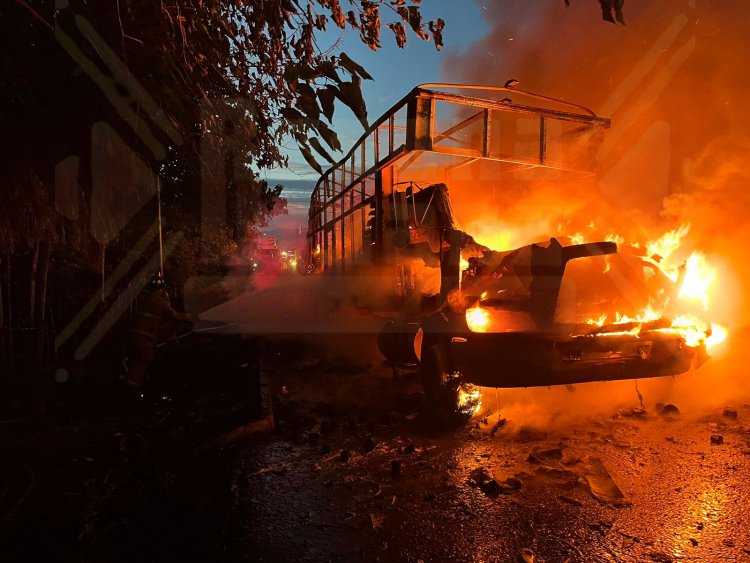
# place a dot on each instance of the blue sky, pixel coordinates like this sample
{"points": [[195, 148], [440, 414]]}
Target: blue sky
{"points": [[395, 71]]}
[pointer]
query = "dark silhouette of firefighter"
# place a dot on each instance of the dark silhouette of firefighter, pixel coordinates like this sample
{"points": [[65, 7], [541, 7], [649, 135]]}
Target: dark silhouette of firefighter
{"points": [[153, 309]]}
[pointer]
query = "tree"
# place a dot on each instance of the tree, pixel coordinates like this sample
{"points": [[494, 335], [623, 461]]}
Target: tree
{"points": [[261, 56]]}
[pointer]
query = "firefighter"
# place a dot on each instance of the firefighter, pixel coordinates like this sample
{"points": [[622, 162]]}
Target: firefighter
{"points": [[145, 332]]}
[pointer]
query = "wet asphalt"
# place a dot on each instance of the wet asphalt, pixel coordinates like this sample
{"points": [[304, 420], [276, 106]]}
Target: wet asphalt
{"points": [[356, 470]]}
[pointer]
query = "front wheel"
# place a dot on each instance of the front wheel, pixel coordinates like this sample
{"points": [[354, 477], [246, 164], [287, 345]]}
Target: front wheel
{"points": [[444, 390]]}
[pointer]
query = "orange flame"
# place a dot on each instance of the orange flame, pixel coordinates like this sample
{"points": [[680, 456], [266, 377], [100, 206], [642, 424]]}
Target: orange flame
{"points": [[670, 241], [697, 279]]}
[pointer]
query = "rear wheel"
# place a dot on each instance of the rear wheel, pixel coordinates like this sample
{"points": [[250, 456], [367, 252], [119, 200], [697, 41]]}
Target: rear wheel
{"points": [[443, 389]]}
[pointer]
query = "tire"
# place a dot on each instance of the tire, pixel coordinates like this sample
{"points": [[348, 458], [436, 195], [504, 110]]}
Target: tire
{"points": [[445, 392], [439, 385]]}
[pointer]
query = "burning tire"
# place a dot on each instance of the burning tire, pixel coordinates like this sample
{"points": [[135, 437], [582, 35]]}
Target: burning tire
{"points": [[443, 389]]}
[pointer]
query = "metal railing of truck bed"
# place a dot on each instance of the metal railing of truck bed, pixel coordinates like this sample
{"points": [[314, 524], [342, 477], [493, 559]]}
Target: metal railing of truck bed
{"points": [[346, 216]]}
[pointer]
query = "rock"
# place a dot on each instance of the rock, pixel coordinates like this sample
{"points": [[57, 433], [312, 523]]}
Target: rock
{"points": [[313, 438], [410, 448], [325, 449], [344, 455], [479, 476], [669, 410], [693, 542], [525, 555], [490, 488], [396, 467], [717, 439], [729, 414]]}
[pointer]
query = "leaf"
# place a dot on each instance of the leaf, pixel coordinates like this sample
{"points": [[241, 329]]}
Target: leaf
{"points": [[351, 94], [314, 143], [309, 158], [400, 31], [328, 69], [415, 19], [291, 73], [436, 28], [352, 67], [329, 136], [327, 97], [292, 114], [307, 100], [337, 14], [352, 19]]}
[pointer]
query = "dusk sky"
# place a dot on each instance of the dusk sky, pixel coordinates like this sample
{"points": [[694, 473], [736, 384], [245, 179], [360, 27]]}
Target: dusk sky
{"points": [[395, 71]]}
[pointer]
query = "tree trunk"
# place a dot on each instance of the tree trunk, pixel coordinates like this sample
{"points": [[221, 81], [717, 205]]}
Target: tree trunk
{"points": [[41, 283], [32, 284]]}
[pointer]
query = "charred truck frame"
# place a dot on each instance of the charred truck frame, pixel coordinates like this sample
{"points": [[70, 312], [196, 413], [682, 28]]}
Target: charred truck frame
{"points": [[384, 210]]}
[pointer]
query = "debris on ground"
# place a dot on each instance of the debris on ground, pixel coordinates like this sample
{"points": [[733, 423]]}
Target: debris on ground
{"points": [[601, 485], [570, 500], [546, 456], [481, 478], [717, 439], [637, 412], [559, 464], [600, 526], [498, 425], [667, 410]]}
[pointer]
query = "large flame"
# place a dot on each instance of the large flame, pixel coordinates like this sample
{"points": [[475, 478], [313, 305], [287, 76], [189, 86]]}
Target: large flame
{"points": [[695, 281]]}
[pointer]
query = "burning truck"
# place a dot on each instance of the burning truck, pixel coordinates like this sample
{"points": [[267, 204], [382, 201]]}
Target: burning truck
{"points": [[561, 310]]}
